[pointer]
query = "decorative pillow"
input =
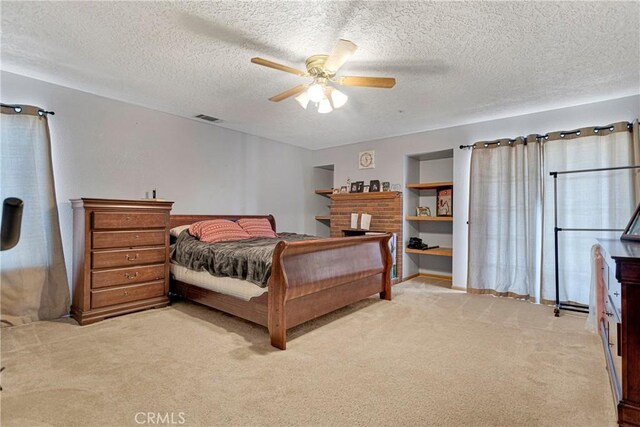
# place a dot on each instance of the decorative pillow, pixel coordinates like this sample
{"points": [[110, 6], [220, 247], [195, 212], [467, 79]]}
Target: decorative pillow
{"points": [[217, 230], [257, 227], [175, 231]]}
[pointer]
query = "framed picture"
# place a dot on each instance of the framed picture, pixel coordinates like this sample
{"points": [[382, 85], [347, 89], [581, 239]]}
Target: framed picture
{"points": [[366, 189], [396, 187], [344, 189], [386, 186], [374, 186], [366, 160], [354, 187], [632, 231], [360, 185], [422, 211], [444, 202]]}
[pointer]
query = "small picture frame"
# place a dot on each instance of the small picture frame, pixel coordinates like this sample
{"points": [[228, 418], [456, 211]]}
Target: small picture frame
{"points": [[423, 211], [344, 189], [354, 187], [386, 186], [444, 202], [366, 189], [374, 186], [396, 187], [360, 187], [632, 230]]}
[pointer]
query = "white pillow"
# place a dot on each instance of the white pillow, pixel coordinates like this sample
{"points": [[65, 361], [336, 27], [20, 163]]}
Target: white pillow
{"points": [[175, 231]]}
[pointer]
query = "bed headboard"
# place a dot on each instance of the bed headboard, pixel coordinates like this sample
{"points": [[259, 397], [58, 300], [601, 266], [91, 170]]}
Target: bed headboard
{"points": [[176, 220]]}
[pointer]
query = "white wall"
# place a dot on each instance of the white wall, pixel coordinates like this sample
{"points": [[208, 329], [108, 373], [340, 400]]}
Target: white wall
{"points": [[391, 155], [106, 148]]}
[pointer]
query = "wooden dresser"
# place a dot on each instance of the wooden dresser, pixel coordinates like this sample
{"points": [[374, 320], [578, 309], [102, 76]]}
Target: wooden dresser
{"points": [[619, 322], [120, 257]]}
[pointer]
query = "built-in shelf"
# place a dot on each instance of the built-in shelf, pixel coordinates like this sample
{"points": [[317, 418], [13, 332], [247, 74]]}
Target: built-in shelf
{"points": [[430, 185], [322, 185], [370, 195], [436, 252], [323, 192], [429, 218]]}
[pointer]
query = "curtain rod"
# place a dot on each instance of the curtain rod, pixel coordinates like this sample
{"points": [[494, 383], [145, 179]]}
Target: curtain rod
{"points": [[596, 129], [18, 109], [555, 174]]}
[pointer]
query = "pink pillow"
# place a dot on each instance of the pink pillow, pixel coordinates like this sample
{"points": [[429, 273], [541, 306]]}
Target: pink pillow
{"points": [[217, 230], [257, 227]]}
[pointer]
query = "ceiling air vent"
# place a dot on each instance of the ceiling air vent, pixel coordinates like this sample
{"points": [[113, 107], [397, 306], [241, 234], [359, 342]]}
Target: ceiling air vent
{"points": [[207, 118]]}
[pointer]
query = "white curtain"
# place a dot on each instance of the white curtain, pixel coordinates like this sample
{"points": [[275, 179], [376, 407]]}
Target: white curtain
{"points": [[33, 275], [585, 200], [505, 219]]}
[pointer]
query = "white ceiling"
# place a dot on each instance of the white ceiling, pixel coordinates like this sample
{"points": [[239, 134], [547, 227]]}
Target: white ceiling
{"points": [[454, 62]]}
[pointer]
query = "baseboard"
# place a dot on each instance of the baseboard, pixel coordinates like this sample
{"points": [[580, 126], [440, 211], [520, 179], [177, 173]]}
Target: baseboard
{"points": [[413, 276], [436, 276]]}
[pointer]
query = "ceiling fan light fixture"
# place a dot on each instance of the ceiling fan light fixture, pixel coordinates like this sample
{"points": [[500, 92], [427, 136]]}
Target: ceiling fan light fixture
{"points": [[303, 99], [325, 106], [316, 92], [338, 99]]}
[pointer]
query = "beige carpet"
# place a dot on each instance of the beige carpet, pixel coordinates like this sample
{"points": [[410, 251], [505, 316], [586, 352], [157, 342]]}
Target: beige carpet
{"points": [[431, 356]]}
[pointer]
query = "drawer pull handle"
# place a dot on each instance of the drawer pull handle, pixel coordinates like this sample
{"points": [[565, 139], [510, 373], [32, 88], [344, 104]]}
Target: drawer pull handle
{"points": [[128, 218], [126, 293], [130, 258], [137, 237], [616, 293], [608, 314], [131, 276]]}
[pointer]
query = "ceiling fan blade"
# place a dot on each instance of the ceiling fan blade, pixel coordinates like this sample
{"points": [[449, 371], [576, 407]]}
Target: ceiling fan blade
{"points": [[341, 53], [379, 82], [276, 66], [288, 93]]}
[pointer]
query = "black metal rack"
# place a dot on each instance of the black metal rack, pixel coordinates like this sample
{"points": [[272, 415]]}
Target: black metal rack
{"points": [[566, 305]]}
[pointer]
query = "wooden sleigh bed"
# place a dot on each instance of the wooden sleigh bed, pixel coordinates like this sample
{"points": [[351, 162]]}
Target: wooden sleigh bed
{"points": [[308, 279]]}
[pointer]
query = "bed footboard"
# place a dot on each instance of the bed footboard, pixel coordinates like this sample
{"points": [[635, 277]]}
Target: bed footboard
{"points": [[312, 278]]}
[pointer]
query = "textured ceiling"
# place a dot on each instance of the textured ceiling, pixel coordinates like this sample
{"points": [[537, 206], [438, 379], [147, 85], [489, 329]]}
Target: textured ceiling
{"points": [[454, 62]]}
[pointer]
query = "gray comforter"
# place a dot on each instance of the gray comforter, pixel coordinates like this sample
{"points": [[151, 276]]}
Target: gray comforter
{"points": [[248, 259]]}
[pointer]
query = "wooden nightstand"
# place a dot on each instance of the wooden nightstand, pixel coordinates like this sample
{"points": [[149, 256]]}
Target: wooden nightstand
{"points": [[120, 257]]}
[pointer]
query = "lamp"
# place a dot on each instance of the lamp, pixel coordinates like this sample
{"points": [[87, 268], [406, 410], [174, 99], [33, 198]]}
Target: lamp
{"points": [[316, 92], [303, 99], [325, 97], [338, 99], [325, 106]]}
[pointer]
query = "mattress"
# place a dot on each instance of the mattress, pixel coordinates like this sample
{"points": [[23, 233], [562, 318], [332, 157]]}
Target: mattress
{"points": [[225, 285], [246, 259]]}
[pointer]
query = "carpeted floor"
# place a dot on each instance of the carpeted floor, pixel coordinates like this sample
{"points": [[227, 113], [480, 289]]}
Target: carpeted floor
{"points": [[431, 356]]}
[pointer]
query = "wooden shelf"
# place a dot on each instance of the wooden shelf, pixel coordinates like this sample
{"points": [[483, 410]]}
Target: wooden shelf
{"points": [[370, 195], [437, 252], [326, 193], [429, 218], [323, 218], [430, 185]]}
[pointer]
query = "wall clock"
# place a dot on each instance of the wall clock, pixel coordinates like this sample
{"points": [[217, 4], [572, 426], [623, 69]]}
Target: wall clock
{"points": [[367, 160]]}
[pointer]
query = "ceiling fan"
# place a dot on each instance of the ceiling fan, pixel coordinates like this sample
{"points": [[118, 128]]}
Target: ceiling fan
{"points": [[322, 69]]}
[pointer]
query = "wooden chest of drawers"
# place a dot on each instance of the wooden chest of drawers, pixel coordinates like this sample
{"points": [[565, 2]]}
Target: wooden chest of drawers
{"points": [[619, 323], [120, 257]]}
